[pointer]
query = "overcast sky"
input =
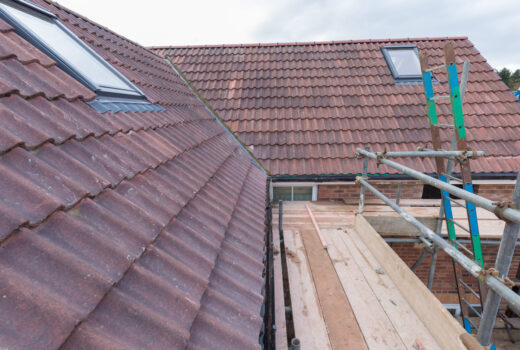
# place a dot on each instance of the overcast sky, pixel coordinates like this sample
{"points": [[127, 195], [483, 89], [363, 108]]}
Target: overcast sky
{"points": [[492, 25]]}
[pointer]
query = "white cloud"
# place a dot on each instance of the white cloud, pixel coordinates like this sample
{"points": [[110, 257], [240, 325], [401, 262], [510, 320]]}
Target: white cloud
{"points": [[491, 25]]}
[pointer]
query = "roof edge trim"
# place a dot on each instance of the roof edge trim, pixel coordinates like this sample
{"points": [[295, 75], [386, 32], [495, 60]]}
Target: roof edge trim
{"points": [[352, 177]]}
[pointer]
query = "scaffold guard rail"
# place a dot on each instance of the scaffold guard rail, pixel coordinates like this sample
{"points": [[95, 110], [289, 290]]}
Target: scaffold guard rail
{"points": [[497, 282]]}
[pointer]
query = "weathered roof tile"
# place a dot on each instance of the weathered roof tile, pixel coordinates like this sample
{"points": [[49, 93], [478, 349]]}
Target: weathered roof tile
{"points": [[113, 225], [270, 94]]}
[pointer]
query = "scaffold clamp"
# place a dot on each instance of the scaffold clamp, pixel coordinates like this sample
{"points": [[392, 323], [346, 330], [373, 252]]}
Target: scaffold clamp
{"points": [[501, 206]]}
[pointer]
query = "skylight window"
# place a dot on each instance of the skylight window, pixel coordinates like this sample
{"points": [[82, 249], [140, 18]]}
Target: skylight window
{"points": [[42, 29], [403, 62]]}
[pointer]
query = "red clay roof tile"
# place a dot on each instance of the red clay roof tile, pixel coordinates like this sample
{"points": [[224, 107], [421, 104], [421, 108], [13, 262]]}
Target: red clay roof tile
{"points": [[118, 229], [305, 107]]}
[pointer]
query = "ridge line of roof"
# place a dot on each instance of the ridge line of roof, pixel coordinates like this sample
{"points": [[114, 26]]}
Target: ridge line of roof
{"points": [[306, 43]]}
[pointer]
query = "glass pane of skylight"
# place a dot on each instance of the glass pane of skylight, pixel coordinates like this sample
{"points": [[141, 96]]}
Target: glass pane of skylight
{"points": [[405, 61], [83, 61]]}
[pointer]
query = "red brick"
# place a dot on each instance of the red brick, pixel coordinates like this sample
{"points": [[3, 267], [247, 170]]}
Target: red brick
{"points": [[410, 190], [444, 281]]}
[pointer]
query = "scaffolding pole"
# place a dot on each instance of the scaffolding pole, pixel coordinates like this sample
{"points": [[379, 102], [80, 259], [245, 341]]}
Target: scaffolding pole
{"points": [[474, 269], [362, 193], [417, 240], [434, 154], [502, 265], [494, 207]]}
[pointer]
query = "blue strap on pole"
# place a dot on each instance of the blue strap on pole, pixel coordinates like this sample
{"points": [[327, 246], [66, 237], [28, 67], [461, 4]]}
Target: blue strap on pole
{"points": [[467, 325]]}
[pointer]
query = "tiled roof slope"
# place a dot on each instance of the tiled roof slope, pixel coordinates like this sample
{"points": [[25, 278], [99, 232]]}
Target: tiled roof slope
{"points": [[305, 107], [121, 230]]}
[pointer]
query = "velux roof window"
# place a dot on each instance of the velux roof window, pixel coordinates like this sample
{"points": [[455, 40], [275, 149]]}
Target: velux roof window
{"points": [[403, 62], [42, 29]]}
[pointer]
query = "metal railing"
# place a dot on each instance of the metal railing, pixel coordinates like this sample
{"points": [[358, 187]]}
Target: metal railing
{"points": [[507, 213], [498, 289]]}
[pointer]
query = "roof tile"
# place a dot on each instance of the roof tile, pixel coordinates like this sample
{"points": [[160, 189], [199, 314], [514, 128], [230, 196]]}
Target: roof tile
{"points": [[306, 104], [116, 226]]}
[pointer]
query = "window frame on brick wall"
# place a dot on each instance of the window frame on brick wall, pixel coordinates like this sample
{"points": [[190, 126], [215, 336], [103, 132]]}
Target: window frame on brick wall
{"points": [[292, 185]]}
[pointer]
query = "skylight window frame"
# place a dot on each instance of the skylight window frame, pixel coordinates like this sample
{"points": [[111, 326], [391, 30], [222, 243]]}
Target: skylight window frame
{"points": [[400, 77], [132, 92]]}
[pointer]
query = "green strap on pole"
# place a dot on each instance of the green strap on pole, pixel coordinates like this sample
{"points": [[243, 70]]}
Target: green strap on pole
{"points": [[456, 101], [430, 102]]}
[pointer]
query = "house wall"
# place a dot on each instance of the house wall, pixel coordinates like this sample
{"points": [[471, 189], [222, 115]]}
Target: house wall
{"points": [[444, 281], [409, 189], [495, 192]]}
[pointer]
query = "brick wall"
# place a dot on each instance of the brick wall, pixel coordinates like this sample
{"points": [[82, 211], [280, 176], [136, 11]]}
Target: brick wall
{"points": [[444, 282], [495, 192], [409, 189]]}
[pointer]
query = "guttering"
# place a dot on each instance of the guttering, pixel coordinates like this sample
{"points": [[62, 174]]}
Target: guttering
{"points": [[352, 177]]}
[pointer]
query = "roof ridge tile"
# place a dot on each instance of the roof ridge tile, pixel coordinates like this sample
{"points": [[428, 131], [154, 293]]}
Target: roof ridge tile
{"points": [[307, 43]]}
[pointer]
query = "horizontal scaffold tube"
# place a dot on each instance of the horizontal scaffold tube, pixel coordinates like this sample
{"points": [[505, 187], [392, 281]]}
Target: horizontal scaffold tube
{"points": [[512, 298], [507, 213], [440, 154]]}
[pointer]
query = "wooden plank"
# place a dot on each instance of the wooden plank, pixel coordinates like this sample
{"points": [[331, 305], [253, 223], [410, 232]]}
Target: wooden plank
{"points": [[420, 207], [316, 227], [458, 212], [489, 229], [404, 201], [406, 322], [444, 328], [344, 331], [398, 226], [279, 301], [309, 325], [328, 215], [392, 225], [378, 331]]}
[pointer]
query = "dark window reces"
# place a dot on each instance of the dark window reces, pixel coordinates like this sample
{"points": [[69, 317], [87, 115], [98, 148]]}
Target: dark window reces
{"points": [[430, 192], [42, 29], [403, 61]]}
